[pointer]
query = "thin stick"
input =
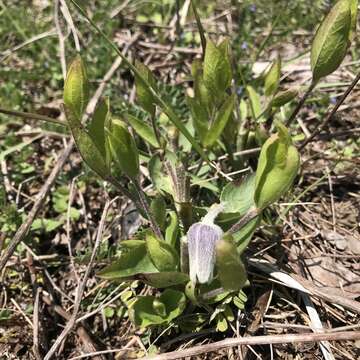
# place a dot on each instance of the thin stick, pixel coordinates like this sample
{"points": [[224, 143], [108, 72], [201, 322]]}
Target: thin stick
{"points": [[330, 114], [81, 286], [36, 323], [257, 340], [27, 115], [300, 104]]}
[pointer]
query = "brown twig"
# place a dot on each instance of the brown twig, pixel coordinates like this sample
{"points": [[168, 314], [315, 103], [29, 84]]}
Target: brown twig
{"points": [[257, 340], [82, 332], [330, 114], [81, 287]]}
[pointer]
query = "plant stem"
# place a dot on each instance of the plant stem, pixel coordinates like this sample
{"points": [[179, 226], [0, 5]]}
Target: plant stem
{"points": [[184, 255], [251, 214], [200, 28], [156, 130], [26, 115], [145, 206], [300, 103], [330, 114]]}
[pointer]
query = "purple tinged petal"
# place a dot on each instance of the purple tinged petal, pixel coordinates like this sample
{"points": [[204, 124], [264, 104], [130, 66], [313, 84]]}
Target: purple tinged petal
{"points": [[202, 239]]}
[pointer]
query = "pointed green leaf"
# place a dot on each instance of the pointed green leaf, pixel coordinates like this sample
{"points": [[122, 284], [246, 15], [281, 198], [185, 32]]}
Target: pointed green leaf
{"points": [[331, 40], [97, 124], [158, 209], [272, 77], [132, 261], [86, 146], [231, 270], [145, 97], [164, 279], [76, 88], [144, 130], [283, 97], [277, 167], [158, 176], [163, 255], [217, 68], [200, 118], [123, 148], [255, 102], [145, 310], [220, 122], [172, 230], [239, 198]]}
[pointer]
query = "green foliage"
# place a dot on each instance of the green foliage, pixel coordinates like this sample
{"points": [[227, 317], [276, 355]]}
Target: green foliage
{"points": [[143, 130], [145, 97], [217, 68], [278, 165], [123, 148], [163, 255], [231, 270], [331, 40], [272, 77], [76, 88], [151, 310]]}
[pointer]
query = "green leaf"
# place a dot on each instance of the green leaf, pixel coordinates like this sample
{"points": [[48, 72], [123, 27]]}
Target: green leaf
{"points": [[200, 117], [164, 279], [47, 225], [143, 313], [163, 255], [202, 94], [243, 237], [159, 178], [132, 261], [158, 209], [231, 270], [145, 97], [76, 88], [86, 145], [277, 167], [255, 103], [172, 230], [97, 124], [240, 300], [331, 40], [144, 130], [283, 97], [217, 68], [239, 198], [123, 148], [354, 11], [220, 122], [272, 77]]}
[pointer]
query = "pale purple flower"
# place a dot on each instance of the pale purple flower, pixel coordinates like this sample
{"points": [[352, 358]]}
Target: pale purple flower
{"points": [[202, 238]]}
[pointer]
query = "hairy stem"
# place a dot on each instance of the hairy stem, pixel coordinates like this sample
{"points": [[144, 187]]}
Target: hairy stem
{"points": [[251, 214]]}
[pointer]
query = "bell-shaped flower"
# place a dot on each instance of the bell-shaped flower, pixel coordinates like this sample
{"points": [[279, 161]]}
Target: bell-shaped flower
{"points": [[202, 238]]}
